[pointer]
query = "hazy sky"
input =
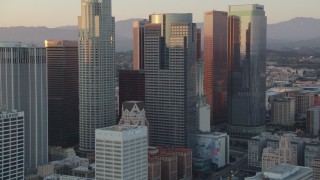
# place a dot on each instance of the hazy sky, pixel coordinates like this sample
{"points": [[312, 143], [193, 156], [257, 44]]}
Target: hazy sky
{"points": [[53, 13]]}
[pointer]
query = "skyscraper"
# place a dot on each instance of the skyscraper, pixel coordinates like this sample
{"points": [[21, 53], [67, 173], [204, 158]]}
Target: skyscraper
{"points": [[246, 70], [96, 70], [215, 64], [122, 152], [63, 93], [11, 145], [23, 87], [138, 44], [131, 87], [170, 74]]}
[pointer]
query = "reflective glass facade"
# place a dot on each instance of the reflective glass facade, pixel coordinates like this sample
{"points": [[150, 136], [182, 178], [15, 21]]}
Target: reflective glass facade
{"points": [[247, 69], [63, 93]]}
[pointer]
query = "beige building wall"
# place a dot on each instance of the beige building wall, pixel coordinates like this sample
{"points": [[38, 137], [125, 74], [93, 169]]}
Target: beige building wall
{"points": [[283, 111]]}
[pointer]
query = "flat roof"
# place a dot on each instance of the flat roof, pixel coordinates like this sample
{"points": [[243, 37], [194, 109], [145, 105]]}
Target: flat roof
{"points": [[120, 128]]}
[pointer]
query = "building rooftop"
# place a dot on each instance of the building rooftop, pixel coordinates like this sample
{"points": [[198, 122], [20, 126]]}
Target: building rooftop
{"points": [[120, 128], [212, 134], [153, 160], [85, 168], [284, 172]]}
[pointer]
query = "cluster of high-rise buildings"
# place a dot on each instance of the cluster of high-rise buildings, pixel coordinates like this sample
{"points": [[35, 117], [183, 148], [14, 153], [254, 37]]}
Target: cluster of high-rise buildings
{"points": [[64, 94]]}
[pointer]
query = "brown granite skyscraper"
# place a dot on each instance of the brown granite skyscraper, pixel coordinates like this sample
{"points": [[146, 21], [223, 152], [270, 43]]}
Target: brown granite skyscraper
{"points": [[215, 64]]}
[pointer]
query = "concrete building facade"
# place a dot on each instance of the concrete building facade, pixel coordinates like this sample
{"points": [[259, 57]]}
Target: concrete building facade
{"points": [[11, 145], [122, 152], [316, 168], [311, 152], [283, 111], [313, 121]]}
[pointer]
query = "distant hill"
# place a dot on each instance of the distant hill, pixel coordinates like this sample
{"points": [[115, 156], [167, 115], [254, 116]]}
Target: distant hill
{"points": [[297, 32], [37, 35]]}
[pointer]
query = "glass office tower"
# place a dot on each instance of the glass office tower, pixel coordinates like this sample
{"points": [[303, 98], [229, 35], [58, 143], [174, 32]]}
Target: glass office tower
{"points": [[63, 92], [170, 79], [246, 70], [96, 48]]}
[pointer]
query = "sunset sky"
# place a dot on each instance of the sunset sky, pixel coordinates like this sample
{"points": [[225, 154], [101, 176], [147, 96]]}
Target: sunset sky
{"points": [[53, 13]]}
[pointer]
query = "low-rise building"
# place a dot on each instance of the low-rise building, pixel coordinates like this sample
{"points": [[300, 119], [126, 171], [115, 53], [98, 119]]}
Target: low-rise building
{"points": [[284, 172], [316, 168], [304, 100], [311, 151], [213, 146], [184, 164], [313, 121], [59, 153], [255, 149], [283, 111], [84, 171], [154, 169], [169, 163], [64, 167], [272, 157], [266, 139]]}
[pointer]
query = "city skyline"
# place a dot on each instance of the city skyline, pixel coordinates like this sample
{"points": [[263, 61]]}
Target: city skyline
{"points": [[53, 15]]}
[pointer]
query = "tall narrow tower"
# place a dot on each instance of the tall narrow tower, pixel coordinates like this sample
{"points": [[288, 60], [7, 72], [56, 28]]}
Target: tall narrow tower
{"points": [[215, 64], [96, 70]]}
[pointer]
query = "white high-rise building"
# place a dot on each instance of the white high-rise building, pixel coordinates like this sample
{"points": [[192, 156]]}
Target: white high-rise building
{"points": [[11, 145], [23, 87], [122, 153], [96, 47]]}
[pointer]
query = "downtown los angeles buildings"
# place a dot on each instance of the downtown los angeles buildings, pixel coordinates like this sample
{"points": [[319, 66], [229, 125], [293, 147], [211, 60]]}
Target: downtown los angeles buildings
{"points": [[11, 145], [122, 152], [170, 79], [23, 87], [246, 70], [97, 108], [215, 64], [63, 93]]}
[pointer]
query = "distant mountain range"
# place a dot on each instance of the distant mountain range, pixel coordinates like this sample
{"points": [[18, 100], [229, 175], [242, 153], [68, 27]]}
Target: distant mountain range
{"points": [[297, 32]]}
